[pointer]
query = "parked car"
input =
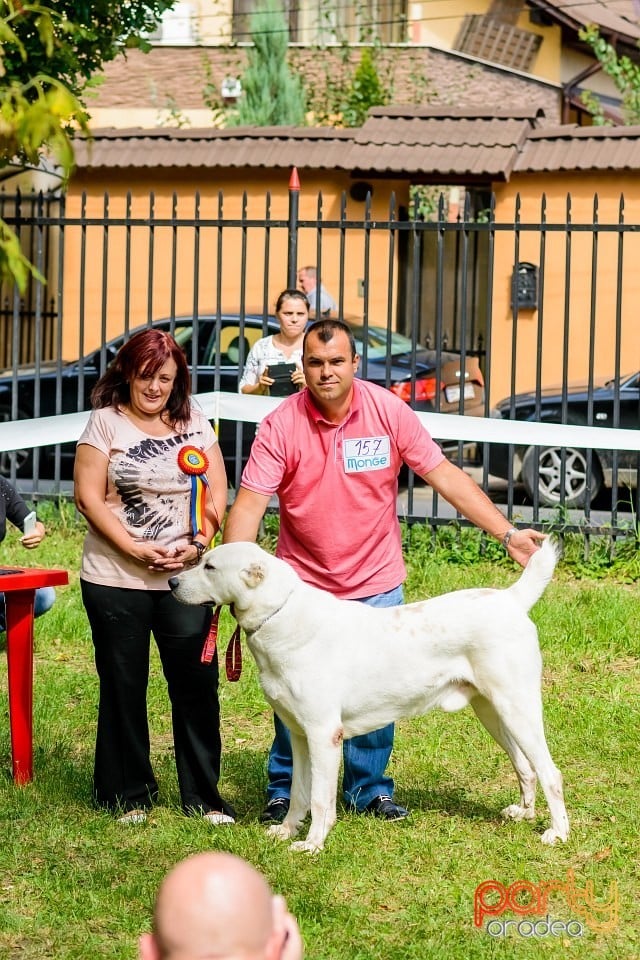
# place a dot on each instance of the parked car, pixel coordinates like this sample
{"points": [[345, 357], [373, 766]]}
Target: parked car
{"points": [[216, 353], [564, 474], [388, 359]]}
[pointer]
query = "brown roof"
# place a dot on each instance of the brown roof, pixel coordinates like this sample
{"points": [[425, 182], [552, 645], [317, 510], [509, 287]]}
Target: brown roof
{"points": [[614, 17], [434, 146], [176, 75], [580, 148], [454, 143], [319, 148]]}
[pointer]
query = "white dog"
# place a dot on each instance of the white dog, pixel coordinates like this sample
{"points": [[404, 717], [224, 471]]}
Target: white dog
{"points": [[338, 668]]}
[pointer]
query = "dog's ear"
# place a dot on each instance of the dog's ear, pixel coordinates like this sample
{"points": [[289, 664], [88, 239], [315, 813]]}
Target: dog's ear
{"points": [[253, 575]]}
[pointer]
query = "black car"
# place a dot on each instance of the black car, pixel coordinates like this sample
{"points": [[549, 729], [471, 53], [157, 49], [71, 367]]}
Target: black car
{"points": [[216, 349], [388, 359], [567, 475]]}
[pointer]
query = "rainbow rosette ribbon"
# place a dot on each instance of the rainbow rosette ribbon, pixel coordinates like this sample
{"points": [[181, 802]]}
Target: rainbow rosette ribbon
{"points": [[193, 462]]}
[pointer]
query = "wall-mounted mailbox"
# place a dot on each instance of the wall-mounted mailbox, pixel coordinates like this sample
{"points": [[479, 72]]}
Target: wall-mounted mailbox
{"points": [[524, 287]]}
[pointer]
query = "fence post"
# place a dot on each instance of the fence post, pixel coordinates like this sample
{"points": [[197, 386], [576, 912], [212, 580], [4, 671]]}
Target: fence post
{"points": [[292, 257]]}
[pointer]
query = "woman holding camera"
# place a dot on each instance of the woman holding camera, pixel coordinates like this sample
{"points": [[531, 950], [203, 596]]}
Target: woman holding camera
{"points": [[292, 312]]}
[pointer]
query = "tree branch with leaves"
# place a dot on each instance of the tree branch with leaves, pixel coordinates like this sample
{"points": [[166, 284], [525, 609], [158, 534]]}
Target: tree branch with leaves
{"points": [[50, 54], [624, 72]]}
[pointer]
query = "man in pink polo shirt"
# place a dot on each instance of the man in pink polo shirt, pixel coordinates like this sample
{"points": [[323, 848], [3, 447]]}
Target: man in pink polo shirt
{"points": [[332, 454]]}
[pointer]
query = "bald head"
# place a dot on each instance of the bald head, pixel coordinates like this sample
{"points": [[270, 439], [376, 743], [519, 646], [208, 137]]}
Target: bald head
{"points": [[210, 906]]}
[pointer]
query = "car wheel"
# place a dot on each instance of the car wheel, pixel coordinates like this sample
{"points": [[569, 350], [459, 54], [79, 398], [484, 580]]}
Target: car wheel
{"points": [[549, 476]]}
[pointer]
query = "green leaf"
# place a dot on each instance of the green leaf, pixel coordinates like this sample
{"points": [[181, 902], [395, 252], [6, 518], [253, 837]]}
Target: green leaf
{"points": [[44, 26], [14, 265]]}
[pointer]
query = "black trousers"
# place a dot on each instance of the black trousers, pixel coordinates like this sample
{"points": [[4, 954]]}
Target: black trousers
{"points": [[121, 623]]}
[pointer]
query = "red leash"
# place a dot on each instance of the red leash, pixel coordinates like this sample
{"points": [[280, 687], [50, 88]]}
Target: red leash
{"points": [[211, 639], [233, 656]]}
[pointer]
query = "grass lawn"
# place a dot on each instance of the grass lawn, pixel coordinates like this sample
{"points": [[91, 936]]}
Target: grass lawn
{"points": [[74, 884]]}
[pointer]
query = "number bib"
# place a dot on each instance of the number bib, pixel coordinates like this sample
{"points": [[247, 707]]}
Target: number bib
{"points": [[363, 454]]}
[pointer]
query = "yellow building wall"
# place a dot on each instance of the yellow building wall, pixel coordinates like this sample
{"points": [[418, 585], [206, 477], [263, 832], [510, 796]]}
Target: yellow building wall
{"points": [[438, 22], [550, 56], [591, 279], [132, 275]]}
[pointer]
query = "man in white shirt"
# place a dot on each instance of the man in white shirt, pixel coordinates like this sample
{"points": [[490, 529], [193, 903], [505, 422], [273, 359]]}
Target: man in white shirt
{"points": [[321, 303]]}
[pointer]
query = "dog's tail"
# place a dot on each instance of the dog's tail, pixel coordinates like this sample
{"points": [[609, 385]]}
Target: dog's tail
{"points": [[536, 575]]}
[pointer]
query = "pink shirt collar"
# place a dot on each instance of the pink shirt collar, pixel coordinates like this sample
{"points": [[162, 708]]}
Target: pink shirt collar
{"points": [[318, 416]]}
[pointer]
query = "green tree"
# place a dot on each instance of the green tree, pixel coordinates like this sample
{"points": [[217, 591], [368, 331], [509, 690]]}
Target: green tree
{"points": [[365, 91], [272, 95], [624, 72], [49, 54]]}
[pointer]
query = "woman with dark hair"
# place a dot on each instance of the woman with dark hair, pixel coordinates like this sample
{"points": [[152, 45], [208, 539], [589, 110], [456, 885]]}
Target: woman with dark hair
{"points": [[150, 480], [284, 347]]}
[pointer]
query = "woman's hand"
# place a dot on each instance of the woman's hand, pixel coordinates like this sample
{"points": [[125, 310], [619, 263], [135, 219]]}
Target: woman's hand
{"points": [[265, 382], [261, 386], [158, 557], [189, 555], [162, 559], [298, 378], [31, 540]]}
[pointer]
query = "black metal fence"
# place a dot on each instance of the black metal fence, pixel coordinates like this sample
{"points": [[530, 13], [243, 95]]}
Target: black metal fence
{"points": [[507, 305]]}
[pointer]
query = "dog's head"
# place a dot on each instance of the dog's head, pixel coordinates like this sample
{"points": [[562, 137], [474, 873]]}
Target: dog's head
{"points": [[241, 574]]}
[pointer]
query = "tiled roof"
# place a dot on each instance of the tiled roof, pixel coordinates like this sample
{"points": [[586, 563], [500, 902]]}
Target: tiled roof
{"points": [[446, 77], [425, 145], [448, 142], [617, 17], [318, 148], [580, 148]]}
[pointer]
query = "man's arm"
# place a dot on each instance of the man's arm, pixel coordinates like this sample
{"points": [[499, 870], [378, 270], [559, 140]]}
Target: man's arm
{"points": [[469, 499], [243, 519]]}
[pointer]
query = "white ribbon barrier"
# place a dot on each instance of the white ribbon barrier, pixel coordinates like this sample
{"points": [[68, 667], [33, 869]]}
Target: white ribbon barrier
{"points": [[45, 431]]}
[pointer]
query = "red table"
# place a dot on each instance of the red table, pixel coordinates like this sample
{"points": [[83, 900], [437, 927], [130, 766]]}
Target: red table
{"points": [[19, 587]]}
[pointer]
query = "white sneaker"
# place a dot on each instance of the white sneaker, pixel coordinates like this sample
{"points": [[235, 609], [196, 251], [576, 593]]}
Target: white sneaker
{"points": [[133, 816], [217, 819]]}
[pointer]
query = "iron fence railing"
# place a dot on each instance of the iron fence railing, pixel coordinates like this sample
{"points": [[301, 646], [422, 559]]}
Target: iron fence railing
{"points": [[538, 302]]}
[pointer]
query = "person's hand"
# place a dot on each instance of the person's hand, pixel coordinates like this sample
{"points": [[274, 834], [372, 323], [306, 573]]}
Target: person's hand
{"points": [[287, 928], [298, 378], [158, 557], [31, 540], [181, 554], [265, 382], [187, 555], [523, 544]]}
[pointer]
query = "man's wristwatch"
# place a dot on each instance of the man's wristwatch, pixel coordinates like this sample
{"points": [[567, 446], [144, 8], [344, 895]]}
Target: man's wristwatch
{"points": [[200, 547], [506, 540]]}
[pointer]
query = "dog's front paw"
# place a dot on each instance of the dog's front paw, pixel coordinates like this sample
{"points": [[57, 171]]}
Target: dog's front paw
{"points": [[516, 812], [306, 846], [282, 831], [551, 835]]}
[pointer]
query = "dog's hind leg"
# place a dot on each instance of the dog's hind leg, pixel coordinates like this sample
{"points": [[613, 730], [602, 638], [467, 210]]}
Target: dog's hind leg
{"points": [[325, 751], [526, 729], [526, 809]]}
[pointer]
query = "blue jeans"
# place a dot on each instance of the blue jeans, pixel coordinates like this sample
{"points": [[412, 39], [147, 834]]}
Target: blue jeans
{"points": [[43, 601], [365, 757]]}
